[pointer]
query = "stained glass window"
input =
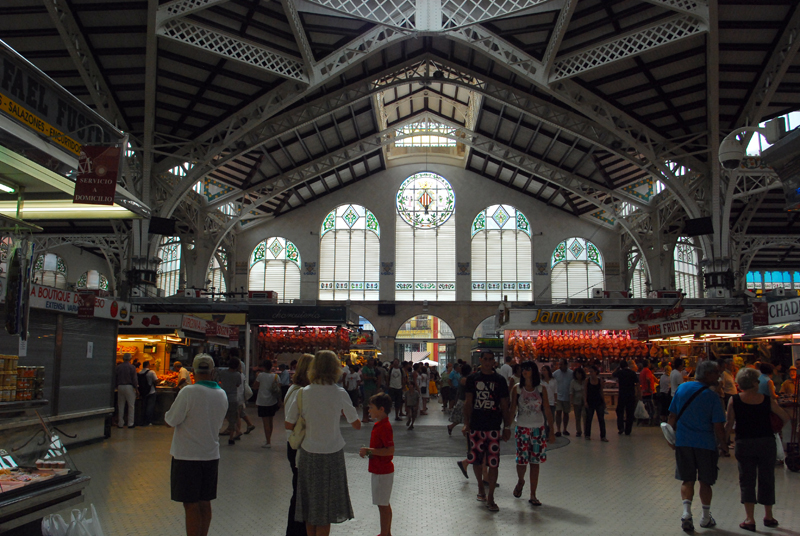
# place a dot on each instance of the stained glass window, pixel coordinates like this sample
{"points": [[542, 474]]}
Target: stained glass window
{"points": [[92, 280], [576, 269], [349, 254], [501, 255], [50, 270], [425, 239], [275, 265], [754, 281], [637, 272], [686, 271], [216, 272], [168, 277]]}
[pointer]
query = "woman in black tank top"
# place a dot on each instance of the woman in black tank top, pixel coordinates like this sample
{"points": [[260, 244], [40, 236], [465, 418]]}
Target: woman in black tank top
{"points": [[755, 446], [595, 403]]}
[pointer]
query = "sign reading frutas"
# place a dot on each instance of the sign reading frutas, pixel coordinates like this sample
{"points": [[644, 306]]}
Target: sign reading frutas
{"points": [[98, 168], [688, 326]]}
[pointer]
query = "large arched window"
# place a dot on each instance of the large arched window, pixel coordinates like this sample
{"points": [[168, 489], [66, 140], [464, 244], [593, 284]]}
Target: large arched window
{"points": [[349, 254], [92, 280], [50, 270], [637, 272], [425, 246], [275, 265], [576, 268], [501, 255], [686, 268], [216, 272], [169, 271]]}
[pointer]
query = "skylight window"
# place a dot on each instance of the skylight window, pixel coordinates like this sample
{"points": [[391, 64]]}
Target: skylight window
{"points": [[425, 134], [758, 143]]}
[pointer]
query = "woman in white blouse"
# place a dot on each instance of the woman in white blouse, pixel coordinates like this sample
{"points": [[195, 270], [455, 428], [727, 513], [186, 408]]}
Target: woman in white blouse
{"points": [[322, 501]]}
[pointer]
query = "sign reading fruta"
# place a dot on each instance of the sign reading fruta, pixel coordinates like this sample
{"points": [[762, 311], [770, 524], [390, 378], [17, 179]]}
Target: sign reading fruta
{"points": [[98, 168]]}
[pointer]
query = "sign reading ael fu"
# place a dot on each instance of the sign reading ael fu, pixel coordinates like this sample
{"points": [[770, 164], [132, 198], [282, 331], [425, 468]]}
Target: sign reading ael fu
{"points": [[98, 167]]}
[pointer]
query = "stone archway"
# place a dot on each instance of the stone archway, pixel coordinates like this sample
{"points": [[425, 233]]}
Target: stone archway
{"points": [[425, 337]]}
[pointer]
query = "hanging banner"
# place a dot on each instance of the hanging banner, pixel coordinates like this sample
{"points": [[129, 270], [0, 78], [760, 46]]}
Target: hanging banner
{"points": [[86, 304], [98, 168]]}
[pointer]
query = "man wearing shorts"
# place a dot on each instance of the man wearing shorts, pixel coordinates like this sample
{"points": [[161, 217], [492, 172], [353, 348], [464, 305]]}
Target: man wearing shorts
{"points": [[197, 415], [563, 377], [486, 409], [700, 432]]}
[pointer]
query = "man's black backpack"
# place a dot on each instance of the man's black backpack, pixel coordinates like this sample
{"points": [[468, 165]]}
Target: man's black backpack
{"points": [[144, 383]]}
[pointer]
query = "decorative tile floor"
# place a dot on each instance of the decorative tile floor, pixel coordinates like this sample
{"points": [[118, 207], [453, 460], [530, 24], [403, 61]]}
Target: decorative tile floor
{"points": [[624, 487]]}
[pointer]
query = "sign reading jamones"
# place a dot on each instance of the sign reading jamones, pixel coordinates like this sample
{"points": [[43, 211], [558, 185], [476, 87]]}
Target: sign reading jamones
{"points": [[688, 326], [65, 301]]}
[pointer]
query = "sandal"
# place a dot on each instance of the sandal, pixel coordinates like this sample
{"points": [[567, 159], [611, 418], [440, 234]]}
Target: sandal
{"points": [[521, 484], [482, 498], [250, 429], [770, 522], [492, 507], [748, 526], [449, 431], [464, 471], [535, 502]]}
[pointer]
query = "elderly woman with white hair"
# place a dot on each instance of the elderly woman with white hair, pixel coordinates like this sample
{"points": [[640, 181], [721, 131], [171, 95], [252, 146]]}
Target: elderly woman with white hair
{"points": [[755, 450]]}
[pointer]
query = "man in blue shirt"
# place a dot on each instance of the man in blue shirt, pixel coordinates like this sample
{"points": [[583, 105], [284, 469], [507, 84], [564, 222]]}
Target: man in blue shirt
{"points": [[455, 378], [700, 435]]}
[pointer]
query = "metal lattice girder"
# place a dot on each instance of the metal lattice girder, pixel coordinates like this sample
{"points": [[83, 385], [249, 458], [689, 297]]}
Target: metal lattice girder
{"points": [[290, 8], [179, 8], [748, 185], [739, 227], [694, 7], [465, 12], [660, 34], [91, 73], [559, 30], [397, 13], [779, 61], [233, 48]]}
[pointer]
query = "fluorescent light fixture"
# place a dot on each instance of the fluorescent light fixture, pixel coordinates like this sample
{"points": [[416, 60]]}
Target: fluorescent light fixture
{"points": [[7, 189]]}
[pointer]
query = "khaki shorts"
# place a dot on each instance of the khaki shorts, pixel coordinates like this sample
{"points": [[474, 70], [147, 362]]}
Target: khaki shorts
{"points": [[382, 489], [564, 406]]}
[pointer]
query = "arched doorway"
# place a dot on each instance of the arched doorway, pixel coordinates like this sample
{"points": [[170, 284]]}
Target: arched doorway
{"points": [[487, 337], [425, 337]]}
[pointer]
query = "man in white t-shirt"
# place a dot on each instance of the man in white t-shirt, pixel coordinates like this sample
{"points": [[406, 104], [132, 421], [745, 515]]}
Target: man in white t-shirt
{"points": [[676, 376], [352, 381], [197, 415], [506, 370]]}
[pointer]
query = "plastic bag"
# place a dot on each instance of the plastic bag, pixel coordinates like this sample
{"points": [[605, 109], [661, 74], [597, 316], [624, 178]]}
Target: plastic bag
{"points": [[54, 525], [83, 525], [780, 455], [641, 411]]}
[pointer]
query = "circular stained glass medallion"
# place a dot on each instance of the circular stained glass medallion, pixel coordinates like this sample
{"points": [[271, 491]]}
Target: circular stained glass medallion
{"points": [[425, 200]]}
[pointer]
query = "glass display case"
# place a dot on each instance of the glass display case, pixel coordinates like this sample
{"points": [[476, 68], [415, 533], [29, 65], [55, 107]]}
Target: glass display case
{"points": [[37, 475]]}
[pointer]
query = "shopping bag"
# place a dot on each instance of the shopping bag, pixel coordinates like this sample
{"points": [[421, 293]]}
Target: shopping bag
{"points": [[54, 525], [641, 411], [83, 525], [780, 455]]}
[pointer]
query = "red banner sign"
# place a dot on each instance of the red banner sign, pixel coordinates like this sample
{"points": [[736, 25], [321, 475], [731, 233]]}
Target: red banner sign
{"points": [[86, 304], [98, 168]]}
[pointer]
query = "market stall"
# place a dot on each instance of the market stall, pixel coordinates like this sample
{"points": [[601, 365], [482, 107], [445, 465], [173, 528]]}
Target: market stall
{"points": [[285, 332], [364, 344]]}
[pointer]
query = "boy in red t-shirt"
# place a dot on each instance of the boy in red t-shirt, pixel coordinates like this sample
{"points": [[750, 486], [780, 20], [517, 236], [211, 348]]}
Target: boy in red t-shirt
{"points": [[380, 452]]}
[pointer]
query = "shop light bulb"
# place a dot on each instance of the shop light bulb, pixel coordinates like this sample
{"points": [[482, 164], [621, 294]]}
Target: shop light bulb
{"points": [[7, 189]]}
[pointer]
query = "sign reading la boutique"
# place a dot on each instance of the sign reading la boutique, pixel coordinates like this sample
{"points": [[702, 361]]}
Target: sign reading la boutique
{"points": [[65, 301], [688, 326], [784, 311]]}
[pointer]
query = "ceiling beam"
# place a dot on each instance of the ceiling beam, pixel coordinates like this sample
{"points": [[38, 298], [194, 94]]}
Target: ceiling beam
{"points": [[557, 36]]}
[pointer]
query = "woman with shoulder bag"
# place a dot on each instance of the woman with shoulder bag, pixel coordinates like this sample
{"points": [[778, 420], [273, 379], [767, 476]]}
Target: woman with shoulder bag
{"points": [[322, 501], [750, 411], [268, 401], [299, 380]]}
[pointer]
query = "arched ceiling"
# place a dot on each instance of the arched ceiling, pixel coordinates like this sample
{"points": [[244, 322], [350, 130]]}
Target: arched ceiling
{"points": [[581, 104]]}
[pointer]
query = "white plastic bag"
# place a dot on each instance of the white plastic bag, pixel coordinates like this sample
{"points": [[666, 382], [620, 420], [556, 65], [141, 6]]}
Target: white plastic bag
{"points": [[83, 525], [641, 411], [780, 455], [54, 525]]}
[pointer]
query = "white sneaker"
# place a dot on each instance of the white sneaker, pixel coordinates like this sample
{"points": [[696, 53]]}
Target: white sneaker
{"points": [[708, 523], [266, 446]]}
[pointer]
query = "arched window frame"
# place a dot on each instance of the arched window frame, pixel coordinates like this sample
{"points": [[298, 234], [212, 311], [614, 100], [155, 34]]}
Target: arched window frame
{"points": [[168, 278], [88, 278], [272, 251], [501, 255], [349, 257], [425, 230], [217, 270], [686, 268], [50, 270], [580, 262], [637, 274]]}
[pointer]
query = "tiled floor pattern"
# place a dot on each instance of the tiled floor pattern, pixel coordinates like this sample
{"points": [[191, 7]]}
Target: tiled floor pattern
{"points": [[625, 487]]}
